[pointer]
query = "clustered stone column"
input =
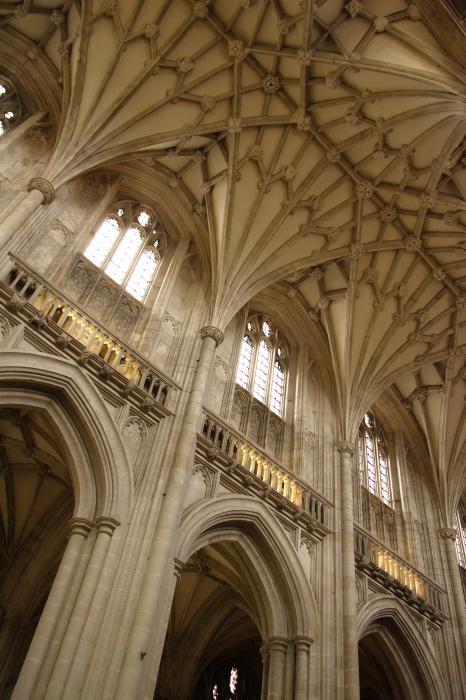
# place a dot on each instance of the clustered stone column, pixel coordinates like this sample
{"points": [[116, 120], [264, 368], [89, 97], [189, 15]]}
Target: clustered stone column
{"points": [[302, 647], [52, 657], [163, 544], [40, 646], [449, 535], [350, 637], [277, 664], [40, 191]]}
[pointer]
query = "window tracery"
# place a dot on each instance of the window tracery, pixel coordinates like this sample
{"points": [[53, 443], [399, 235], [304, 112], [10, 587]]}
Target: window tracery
{"points": [[10, 105], [262, 364], [374, 468], [125, 247], [261, 378]]}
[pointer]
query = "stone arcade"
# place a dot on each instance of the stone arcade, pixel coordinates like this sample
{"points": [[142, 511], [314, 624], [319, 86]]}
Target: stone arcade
{"points": [[232, 342]]}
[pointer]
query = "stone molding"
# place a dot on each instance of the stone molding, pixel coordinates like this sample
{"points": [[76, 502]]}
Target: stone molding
{"points": [[212, 332], [44, 187]]}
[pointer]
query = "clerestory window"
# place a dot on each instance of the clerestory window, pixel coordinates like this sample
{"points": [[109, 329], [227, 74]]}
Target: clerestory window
{"points": [[10, 105], [126, 247], [262, 364], [374, 467]]}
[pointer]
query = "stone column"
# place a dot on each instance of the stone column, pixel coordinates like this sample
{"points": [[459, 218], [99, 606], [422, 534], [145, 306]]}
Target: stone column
{"points": [[350, 636], [448, 535], [81, 609], [302, 646], [277, 668], [79, 530], [162, 548], [9, 624], [14, 134], [40, 191], [265, 670]]}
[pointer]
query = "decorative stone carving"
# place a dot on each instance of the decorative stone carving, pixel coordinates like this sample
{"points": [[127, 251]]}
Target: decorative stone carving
{"points": [[345, 446], [364, 189], [212, 332], [303, 121], [380, 24], [271, 84], [44, 187], [201, 9], [304, 57], [448, 533], [412, 244], [354, 7], [388, 214], [134, 433], [236, 50], [5, 328]]}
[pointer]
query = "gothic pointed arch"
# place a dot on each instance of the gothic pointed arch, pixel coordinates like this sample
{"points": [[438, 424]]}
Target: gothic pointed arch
{"points": [[98, 463], [397, 641]]}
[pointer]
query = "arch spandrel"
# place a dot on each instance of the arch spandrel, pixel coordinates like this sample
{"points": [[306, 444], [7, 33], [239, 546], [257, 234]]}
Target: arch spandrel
{"points": [[97, 460], [249, 523]]}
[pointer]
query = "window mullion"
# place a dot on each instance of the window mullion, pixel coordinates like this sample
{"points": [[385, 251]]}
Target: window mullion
{"points": [[134, 263]]}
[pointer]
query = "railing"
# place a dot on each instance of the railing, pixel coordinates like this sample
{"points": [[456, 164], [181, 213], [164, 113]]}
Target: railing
{"points": [[56, 311], [385, 565], [272, 474]]}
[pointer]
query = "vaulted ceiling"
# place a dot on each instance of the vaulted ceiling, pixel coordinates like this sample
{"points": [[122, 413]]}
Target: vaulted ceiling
{"points": [[319, 143]]}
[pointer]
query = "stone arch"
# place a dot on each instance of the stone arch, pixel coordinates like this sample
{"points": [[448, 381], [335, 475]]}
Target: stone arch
{"points": [[284, 595], [98, 463], [387, 619]]}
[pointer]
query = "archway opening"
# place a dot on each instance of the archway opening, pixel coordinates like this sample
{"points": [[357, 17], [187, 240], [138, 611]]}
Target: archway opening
{"points": [[388, 667], [212, 647], [36, 504]]}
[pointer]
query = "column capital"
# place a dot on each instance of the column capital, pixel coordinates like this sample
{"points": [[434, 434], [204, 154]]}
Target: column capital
{"points": [[345, 446], [448, 533], [178, 568], [302, 642], [106, 524], [212, 332], [45, 188], [80, 526], [278, 644]]}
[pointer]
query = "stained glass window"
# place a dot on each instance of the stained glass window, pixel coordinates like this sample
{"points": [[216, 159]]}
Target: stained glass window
{"points": [[125, 247], [278, 389]]}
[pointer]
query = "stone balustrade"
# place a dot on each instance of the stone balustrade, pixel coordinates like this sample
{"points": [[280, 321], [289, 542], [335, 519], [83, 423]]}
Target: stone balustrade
{"points": [[71, 328], [405, 581], [266, 470]]}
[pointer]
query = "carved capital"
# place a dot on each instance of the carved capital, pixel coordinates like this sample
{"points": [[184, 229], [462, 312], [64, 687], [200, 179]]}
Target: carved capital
{"points": [[344, 446], [448, 533], [80, 526], [302, 643], [212, 332], [107, 525], [45, 188]]}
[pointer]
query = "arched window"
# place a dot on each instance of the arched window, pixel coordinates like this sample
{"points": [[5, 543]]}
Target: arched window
{"points": [[262, 364], [125, 247], [374, 465], [10, 105]]}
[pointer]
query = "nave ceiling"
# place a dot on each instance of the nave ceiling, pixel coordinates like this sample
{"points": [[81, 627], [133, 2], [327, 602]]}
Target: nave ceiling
{"points": [[320, 145]]}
